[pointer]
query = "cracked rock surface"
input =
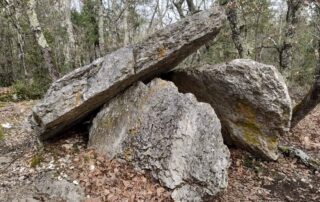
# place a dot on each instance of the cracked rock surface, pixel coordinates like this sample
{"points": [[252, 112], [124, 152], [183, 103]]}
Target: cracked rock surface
{"points": [[171, 134], [250, 98], [80, 92]]}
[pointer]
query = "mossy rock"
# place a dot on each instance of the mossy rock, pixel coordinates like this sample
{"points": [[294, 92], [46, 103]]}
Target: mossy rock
{"points": [[36, 160], [1, 133]]}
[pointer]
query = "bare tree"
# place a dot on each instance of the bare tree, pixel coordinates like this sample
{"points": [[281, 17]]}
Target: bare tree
{"points": [[70, 45], [11, 11], [178, 5], [191, 7], [101, 27], [232, 15], [126, 39], [290, 30], [41, 40]]}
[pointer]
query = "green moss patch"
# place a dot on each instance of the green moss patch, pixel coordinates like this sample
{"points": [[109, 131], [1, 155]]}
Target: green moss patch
{"points": [[1, 133], [251, 129], [36, 160]]}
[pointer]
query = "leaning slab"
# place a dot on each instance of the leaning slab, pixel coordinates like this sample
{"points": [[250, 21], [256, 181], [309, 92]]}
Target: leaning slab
{"points": [[75, 95], [250, 98], [171, 134]]}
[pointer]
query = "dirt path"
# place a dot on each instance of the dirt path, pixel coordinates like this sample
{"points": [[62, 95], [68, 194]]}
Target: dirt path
{"points": [[66, 164]]}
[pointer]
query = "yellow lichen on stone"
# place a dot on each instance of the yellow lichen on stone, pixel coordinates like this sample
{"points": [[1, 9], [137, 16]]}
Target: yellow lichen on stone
{"points": [[78, 98], [247, 111], [107, 123], [133, 131], [272, 142], [162, 52], [252, 133], [127, 154]]}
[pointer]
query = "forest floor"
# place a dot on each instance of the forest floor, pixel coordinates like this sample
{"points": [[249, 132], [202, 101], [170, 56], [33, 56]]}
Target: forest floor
{"points": [[65, 168]]}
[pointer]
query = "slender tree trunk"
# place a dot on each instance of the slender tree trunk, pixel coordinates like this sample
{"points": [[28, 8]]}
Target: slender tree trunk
{"points": [[232, 15], [41, 40], [101, 28], [126, 39], [191, 7], [13, 14], [288, 40], [153, 16], [70, 45], [178, 5], [312, 99]]}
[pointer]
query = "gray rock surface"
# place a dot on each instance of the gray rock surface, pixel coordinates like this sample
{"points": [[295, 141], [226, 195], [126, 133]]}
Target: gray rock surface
{"points": [[75, 95], [171, 134], [251, 99], [45, 187], [61, 189]]}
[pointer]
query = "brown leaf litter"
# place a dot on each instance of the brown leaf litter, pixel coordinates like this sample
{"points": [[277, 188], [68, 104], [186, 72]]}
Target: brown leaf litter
{"points": [[250, 179]]}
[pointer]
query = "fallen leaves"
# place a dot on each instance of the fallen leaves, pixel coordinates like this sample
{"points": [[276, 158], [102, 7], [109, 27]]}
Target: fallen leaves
{"points": [[114, 180]]}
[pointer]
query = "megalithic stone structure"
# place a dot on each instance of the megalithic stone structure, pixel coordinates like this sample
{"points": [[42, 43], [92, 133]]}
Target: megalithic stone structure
{"points": [[80, 92]]}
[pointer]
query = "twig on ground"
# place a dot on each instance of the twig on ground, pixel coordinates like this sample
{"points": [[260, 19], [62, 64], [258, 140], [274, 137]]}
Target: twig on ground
{"points": [[302, 156]]}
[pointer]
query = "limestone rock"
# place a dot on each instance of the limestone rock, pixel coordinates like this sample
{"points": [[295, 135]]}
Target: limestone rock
{"points": [[251, 99], [44, 187], [157, 128], [77, 94], [61, 189]]}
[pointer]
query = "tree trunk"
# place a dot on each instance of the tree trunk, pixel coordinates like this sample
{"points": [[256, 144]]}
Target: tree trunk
{"points": [[70, 46], [312, 99], [101, 28], [232, 15], [13, 15], [191, 7], [41, 40], [291, 23], [178, 5], [126, 39]]}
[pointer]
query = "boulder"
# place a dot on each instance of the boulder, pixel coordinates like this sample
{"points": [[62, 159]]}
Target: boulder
{"points": [[157, 128], [43, 187], [74, 96], [251, 99]]}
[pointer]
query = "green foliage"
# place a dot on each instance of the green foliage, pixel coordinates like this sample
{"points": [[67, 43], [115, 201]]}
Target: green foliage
{"points": [[222, 50], [26, 90], [36, 160], [88, 21], [49, 37]]}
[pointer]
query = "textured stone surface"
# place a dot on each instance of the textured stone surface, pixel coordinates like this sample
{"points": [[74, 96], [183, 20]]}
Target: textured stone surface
{"points": [[45, 187], [171, 134], [251, 99], [61, 189], [75, 95]]}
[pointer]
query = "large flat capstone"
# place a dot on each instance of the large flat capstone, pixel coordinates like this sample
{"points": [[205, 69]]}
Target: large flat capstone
{"points": [[171, 134], [250, 98], [80, 92]]}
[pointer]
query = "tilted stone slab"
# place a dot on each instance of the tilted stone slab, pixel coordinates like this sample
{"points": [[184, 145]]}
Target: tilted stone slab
{"points": [[75, 95], [250, 98], [171, 134]]}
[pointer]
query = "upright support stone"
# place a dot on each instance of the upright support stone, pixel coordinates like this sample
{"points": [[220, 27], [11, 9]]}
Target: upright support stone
{"points": [[250, 98], [77, 94], [177, 138]]}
